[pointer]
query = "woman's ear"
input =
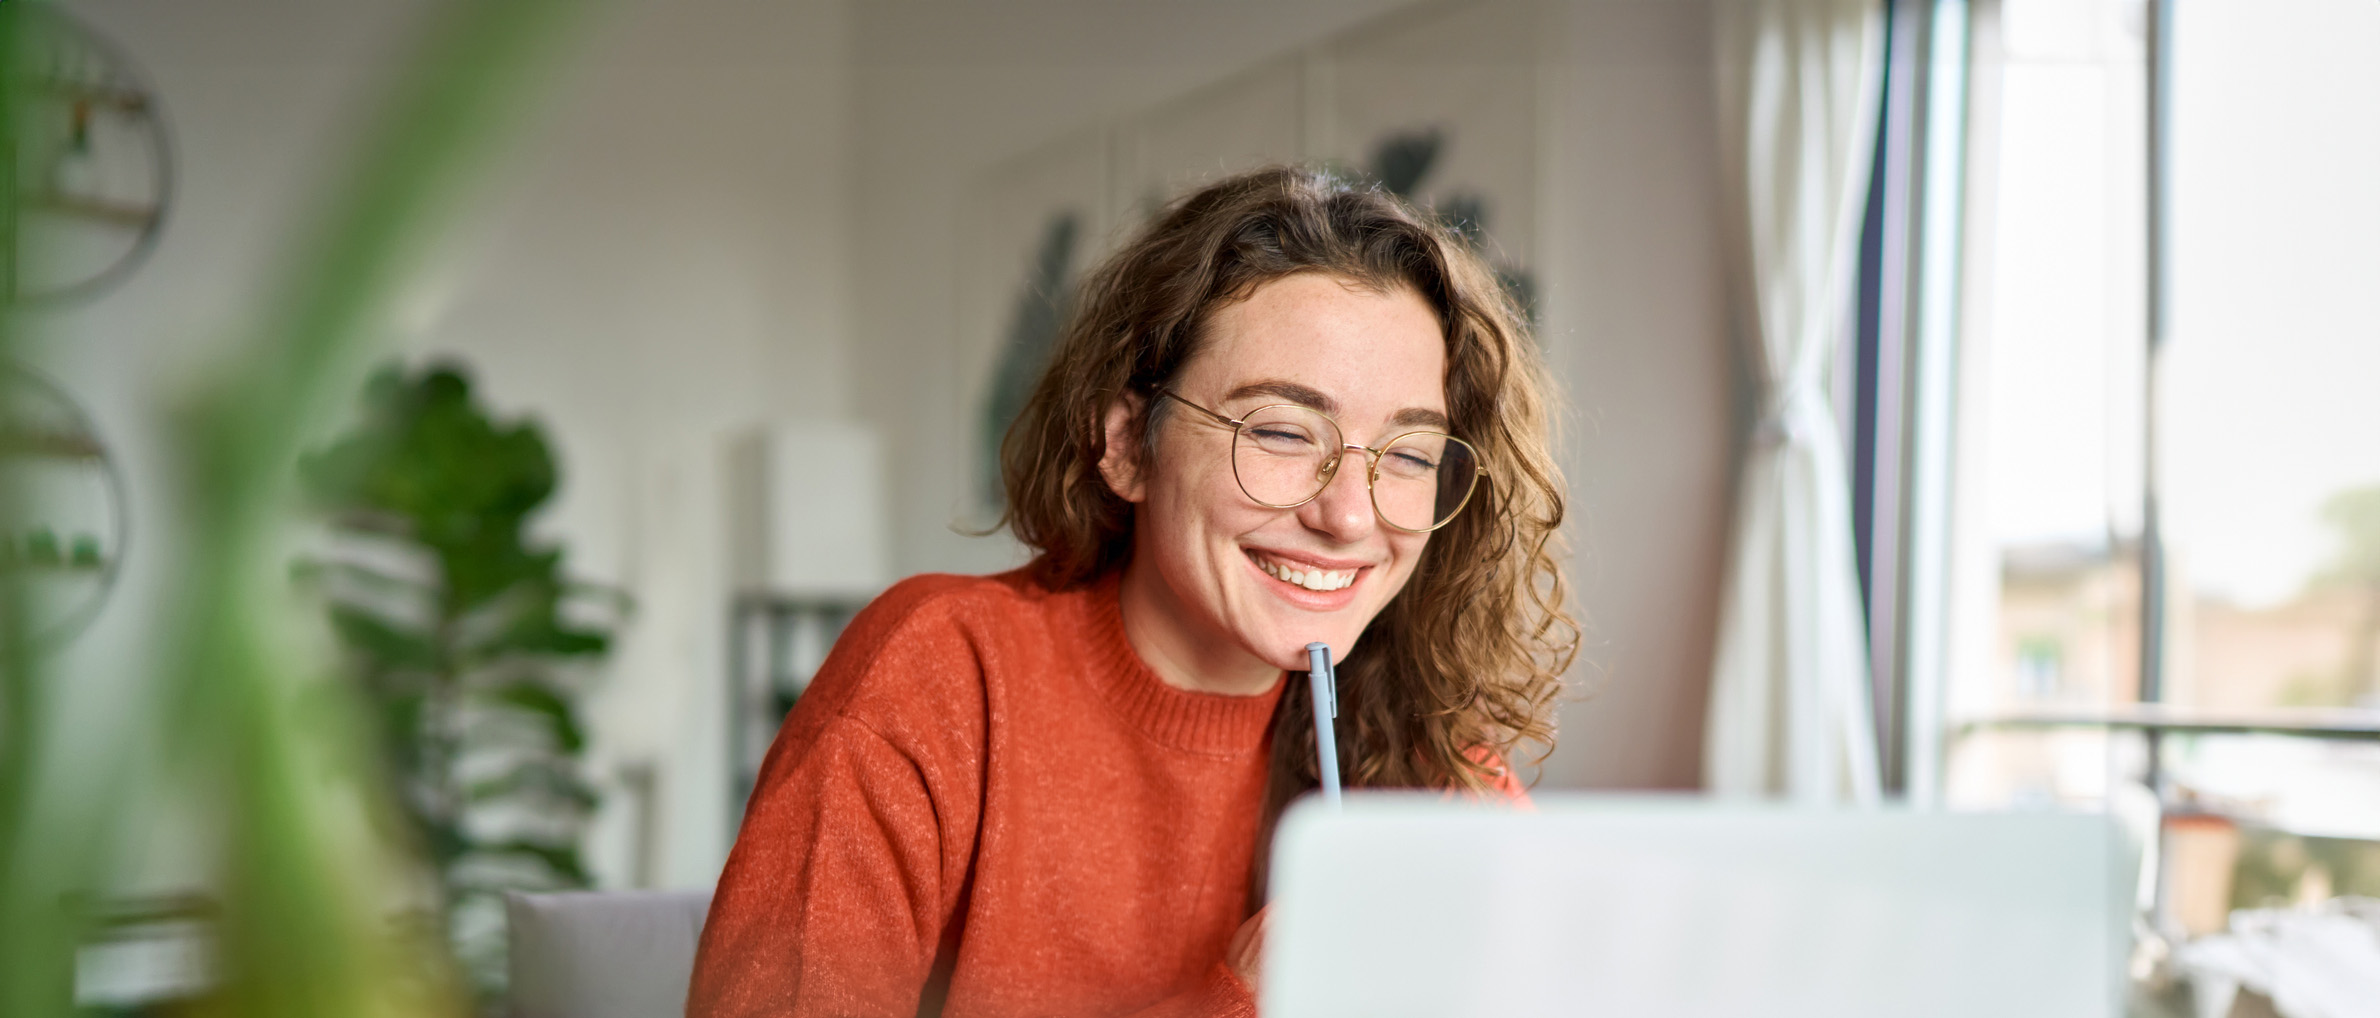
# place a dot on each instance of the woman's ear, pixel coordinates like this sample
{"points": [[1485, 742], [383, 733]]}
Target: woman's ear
{"points": [[1119, 461]]}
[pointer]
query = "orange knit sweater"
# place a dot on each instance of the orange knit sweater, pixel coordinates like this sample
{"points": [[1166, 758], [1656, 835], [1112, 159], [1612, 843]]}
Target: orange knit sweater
{"points": [[987, 805]]}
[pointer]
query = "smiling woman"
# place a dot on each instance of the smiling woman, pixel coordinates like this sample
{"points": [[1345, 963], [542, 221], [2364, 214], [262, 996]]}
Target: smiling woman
{"points": [[1291, 411]]}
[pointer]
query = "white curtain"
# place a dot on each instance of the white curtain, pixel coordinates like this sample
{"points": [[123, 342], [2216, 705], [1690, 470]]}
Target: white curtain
{"points": [[1798, 88]]}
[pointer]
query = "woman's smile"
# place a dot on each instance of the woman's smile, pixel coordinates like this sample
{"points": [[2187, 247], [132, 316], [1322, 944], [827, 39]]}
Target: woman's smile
{"points": [[1311, 581]]}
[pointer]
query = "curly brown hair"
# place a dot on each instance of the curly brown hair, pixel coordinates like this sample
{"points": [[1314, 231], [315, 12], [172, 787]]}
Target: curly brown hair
{"points": [[1469, 655]]}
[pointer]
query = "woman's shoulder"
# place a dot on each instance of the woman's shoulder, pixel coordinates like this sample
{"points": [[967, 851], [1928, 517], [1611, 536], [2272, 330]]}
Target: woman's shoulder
{"points": [[928, 604], [940, 595], [901, 701], [923, 643]]}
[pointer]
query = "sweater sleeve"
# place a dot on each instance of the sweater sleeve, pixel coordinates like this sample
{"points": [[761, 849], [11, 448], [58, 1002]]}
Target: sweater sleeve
{"points": [[856, 845], [829, 904]]}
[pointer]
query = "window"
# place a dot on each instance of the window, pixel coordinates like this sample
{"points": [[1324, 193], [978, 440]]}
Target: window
{"points": [[2162, 568]]}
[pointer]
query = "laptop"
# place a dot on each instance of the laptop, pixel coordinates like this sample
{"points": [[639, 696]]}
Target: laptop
{"points": [[1406, 904]]}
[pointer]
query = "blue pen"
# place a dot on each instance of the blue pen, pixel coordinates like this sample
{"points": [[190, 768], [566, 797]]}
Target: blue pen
{"points": [[1326, 707]]}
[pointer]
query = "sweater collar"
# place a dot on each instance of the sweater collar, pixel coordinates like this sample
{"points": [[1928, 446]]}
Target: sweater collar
{"points": [[1183, 719]]}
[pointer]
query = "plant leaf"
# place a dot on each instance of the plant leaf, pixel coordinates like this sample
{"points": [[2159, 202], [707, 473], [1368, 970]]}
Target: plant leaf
{"points": [[560, 857], [387, 643], [540, 700], [549, 778]]}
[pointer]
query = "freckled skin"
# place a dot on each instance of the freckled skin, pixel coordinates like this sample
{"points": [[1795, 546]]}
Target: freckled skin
{"points": [[1195, 606]]}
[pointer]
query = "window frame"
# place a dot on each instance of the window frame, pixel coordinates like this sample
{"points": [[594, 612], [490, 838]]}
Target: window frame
{"points": [[1903, 379]]}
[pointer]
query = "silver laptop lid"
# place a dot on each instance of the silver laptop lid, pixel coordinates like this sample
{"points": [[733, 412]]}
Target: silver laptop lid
{"points": [[1417, 905]]}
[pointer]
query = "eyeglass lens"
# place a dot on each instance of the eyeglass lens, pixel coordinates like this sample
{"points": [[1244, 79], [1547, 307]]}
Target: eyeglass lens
{"points": [[1285, 455]]}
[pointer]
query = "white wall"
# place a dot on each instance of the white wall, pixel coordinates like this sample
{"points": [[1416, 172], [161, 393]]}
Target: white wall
{"points": [[1637, 327], [661, 258], [668, 268]]}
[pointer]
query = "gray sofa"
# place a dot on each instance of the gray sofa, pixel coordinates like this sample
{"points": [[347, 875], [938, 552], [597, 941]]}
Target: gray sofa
{"points": [[620, 954]]}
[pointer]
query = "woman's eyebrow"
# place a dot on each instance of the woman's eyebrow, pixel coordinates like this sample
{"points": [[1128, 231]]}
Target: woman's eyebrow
{"points": [[1291, 392], [1414, 416], [1308, 396]]}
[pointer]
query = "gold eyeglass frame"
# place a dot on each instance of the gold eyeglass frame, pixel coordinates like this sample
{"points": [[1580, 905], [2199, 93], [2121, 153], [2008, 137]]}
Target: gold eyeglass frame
{"points": [[1331, 473]]}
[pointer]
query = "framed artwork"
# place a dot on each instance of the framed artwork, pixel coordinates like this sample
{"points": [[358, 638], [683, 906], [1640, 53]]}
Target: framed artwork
{"points": [[1027, 232], [1440, 104]]}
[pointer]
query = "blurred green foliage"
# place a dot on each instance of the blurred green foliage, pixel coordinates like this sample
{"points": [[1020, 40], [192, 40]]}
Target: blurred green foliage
{"points": [[456, 625], [2354, 515], [2275, 868], [253, 732]]}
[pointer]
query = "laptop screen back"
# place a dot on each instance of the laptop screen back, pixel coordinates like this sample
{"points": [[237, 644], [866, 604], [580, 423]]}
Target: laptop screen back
{"points": [[1416, 905]]}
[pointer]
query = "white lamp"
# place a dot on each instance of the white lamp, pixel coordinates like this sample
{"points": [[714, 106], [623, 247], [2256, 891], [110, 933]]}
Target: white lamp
{"points": [[807, 504]]}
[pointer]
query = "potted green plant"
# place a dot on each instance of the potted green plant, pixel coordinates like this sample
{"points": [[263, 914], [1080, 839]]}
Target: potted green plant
{"points": [[463, 630]]}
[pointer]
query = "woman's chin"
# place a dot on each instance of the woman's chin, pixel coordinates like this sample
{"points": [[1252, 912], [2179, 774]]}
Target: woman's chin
{"points": [[1291, 655], [1278, 633]]}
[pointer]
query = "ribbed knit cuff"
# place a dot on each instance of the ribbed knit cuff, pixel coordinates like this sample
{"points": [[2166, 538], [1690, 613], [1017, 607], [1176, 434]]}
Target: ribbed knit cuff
{"points": [[1229, 997], [1219, 995]]}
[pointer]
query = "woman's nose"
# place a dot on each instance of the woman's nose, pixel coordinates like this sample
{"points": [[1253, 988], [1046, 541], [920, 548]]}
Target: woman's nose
{"points": [[1344, 509]]}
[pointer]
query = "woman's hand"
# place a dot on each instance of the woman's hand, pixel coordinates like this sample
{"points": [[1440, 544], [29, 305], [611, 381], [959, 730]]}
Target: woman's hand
{"points": [[1246, 953]]}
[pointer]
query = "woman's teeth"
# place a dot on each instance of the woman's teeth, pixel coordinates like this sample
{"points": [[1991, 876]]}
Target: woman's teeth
{"points": [[1314, 579]]}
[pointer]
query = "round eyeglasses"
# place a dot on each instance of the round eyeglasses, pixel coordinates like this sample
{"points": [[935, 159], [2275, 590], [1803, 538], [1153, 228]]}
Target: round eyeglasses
{"points": [[1284, 455]]}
